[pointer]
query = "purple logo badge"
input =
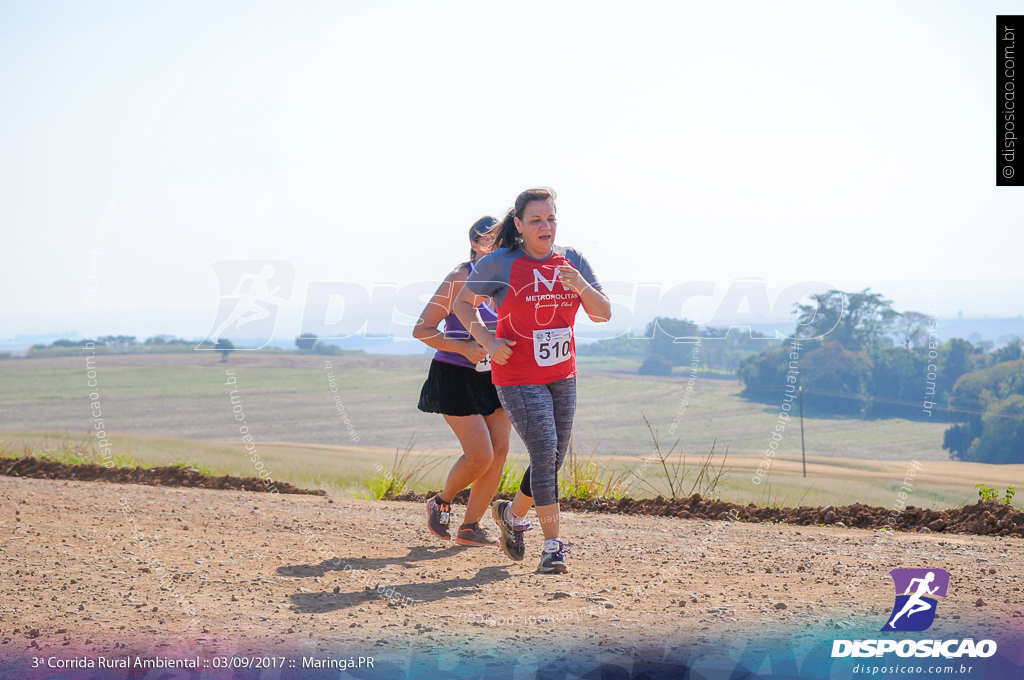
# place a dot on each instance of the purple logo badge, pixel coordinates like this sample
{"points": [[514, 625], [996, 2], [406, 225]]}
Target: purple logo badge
{"points": [[914, 609]]}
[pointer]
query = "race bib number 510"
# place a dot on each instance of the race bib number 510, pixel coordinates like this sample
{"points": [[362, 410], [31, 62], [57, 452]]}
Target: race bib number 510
{"points": [[551, 345]]}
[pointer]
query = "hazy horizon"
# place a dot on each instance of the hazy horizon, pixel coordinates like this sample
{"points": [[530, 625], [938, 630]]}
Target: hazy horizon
{"points": [[997, 329], [687, 142]]}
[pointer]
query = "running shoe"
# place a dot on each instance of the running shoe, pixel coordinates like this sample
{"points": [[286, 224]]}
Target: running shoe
{"points": [[438, 515], [552, 560], [474, 535], [511, 536]]}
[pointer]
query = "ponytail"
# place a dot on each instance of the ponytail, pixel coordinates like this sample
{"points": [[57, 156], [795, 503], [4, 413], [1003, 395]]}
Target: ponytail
{"points": [[507, 236]]}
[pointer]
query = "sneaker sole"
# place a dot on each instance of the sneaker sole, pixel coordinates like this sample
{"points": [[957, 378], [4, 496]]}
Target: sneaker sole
{"points": [[474, 544], [553, 570], [496, 511], [441, 536]]}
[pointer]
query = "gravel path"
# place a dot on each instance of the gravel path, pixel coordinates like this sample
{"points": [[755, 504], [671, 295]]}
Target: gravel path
{"points": [[241, 572]]}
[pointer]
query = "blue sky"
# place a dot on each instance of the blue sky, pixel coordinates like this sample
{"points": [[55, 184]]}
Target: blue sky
{"points": [[843, 142]]}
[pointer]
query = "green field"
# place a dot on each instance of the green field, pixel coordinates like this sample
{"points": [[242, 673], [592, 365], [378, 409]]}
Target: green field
{"points": [[169, 407], [287, 398]]}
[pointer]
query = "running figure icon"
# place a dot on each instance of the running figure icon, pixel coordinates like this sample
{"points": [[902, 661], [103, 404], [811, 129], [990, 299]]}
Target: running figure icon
{"points": [[917, 591], [252, 292], [247, 310], [916, 603]]}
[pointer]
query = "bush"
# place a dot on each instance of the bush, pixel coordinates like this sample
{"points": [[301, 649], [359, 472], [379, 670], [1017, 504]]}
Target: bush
{"points": [[1002, 434], [896, 376], [764, 373], [663, 333], [306, 341], [404, 473], [836, 379], [655, 365], [224, 347], [327, 349], [586, 479], [998, 435]]}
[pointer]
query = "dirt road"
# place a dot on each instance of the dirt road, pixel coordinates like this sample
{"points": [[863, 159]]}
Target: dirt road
{"points": [[108, 568]]}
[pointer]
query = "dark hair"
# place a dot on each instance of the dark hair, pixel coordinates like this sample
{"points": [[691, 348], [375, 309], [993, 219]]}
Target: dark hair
{"points": [[507, 234]]}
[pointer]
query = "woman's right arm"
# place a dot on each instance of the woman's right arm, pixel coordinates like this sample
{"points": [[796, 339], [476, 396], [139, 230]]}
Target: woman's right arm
{"points": [[464, 307], [437, 309]]}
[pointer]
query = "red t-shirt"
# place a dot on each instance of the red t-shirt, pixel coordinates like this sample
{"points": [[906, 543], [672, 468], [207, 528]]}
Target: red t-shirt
{"points": [[535, 310]]}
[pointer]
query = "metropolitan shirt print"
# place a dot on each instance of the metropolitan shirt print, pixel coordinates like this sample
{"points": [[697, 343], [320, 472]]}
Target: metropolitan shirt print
{"points": [[535, 310]]}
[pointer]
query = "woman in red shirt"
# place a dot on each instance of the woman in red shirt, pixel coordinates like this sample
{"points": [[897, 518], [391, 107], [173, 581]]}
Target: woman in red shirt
{"points": [[538, 288]]}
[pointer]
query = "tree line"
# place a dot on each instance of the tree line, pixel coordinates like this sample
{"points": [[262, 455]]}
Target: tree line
{"points": [[306, 343], [863, 358]]}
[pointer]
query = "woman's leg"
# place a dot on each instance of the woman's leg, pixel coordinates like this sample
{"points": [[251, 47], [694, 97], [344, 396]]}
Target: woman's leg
{"points": [[563, 403], [563, 407], [523, 500], [530, 409], [483, 487], [477, 453]]}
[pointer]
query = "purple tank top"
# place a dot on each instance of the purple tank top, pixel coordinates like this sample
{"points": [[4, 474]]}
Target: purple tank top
{"points": [[453, 329]]}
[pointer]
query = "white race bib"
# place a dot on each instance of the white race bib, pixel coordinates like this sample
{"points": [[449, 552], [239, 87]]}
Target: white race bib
{"points": [[484, 364], [551, 346]]}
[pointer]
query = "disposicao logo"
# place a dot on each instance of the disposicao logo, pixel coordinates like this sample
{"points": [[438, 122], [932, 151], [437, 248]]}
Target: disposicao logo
{"points": [[914, 611], [251, 292]]}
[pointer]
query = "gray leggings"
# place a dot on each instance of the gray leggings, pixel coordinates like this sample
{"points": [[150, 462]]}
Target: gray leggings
{"points": [[542, 416]]}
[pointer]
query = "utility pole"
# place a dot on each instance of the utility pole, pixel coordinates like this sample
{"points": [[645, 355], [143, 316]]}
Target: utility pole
{"points": [[803, 451]]}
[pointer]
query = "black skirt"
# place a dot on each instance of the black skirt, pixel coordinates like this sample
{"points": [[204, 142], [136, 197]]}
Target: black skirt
{"points": [[458, 391]]}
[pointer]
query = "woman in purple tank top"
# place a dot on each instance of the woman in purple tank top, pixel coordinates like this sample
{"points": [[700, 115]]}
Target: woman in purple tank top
{"points": [[459, 387]]}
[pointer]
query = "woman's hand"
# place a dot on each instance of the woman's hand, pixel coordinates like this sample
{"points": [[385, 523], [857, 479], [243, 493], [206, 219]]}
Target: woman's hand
{"points": [[473, 351], [595, 303], [500, 350], [571, 278]]}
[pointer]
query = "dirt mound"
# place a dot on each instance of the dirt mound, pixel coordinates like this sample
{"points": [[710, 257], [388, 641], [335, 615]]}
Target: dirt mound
{"points": [[985, 518], [158, 476]]}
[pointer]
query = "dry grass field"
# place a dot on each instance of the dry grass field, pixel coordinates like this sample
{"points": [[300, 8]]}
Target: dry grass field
{"points": [[166, 408]]}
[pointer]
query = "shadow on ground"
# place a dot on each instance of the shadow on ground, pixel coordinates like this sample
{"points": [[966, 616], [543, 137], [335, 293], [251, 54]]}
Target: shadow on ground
{"points": [[418, 553], [398, 595]]}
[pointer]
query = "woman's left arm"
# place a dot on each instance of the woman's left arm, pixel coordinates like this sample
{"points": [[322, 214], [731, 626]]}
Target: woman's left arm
{"points": [[595, 303]]}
